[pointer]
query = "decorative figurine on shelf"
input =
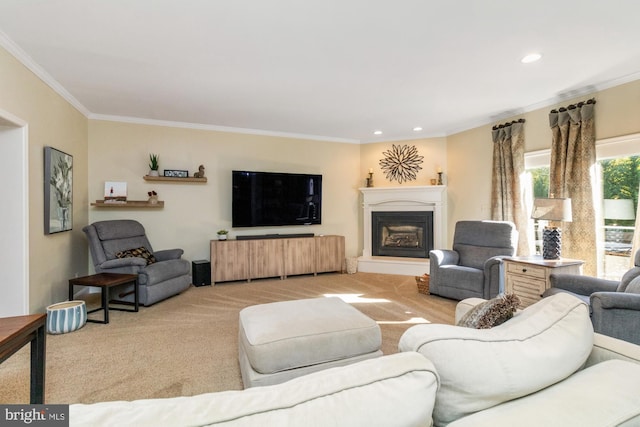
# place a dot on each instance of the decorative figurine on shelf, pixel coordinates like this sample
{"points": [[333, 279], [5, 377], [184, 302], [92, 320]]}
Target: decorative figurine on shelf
{"points": [[153, 197], [153, 165], [222, 234], [200, 173], [370, 179]]}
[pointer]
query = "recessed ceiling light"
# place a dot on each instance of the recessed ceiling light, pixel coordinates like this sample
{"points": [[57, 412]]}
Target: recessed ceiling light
{"points": [[532, 57], [378, 132], [417, 129]]}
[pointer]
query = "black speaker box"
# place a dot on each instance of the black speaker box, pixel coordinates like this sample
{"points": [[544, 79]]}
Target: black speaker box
{"points": [[201, 272]]}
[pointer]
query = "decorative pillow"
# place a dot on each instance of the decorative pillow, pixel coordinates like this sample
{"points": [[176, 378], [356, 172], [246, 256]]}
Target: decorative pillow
{"points": [[491, 313], [140, 252]]}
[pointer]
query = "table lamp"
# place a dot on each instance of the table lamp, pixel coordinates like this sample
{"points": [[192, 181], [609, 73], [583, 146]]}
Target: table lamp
{"points": [[551, 209], [618, 209]]}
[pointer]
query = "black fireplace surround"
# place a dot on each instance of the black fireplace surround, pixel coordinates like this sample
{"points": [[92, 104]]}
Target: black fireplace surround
{"points": [[402, 234]]}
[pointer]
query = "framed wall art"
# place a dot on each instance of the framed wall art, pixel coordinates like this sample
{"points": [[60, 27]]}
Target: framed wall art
{"points": [[115, 191], [58, 191]]}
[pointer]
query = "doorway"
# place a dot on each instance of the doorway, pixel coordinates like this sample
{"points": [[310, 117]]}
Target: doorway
{"points": [[14, 220]]}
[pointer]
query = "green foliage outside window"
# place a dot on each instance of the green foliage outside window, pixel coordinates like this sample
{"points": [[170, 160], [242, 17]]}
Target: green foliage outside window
{"points": [[540, 177]]}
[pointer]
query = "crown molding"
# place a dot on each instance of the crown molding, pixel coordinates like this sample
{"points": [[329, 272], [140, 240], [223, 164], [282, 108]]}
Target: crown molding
{"points": [[7, 43], [33, 66], [402, 138], [199, 126], [561, 97], [28, 62]]}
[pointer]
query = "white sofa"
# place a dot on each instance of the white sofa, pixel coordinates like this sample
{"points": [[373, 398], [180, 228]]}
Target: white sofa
{"points": [[395, 390], [544, 367]]}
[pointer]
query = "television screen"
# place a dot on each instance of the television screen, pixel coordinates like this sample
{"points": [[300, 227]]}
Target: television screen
{"points": [[268, 198]]}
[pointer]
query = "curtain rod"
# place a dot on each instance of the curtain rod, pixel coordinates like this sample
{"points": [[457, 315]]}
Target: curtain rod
{"points": [[496, 127], [574, 106]]}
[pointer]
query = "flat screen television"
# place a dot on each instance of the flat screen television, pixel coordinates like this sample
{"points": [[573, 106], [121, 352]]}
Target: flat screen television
{"points": [[263, 199]]}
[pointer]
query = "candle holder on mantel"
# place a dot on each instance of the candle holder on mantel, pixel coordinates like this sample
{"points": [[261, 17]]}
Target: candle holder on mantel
{"points": [[439, 178], [370, 180]]}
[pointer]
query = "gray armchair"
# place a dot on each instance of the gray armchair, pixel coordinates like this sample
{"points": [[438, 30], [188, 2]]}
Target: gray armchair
{"points": [[111, 244], [615, 306], [473, 268]]}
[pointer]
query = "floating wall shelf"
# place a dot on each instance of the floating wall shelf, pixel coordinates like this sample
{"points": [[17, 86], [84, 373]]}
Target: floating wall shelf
{"points": [[174, 179], [129, 204]]}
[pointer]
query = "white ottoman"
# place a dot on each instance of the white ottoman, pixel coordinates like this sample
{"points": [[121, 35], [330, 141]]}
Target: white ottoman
{"points": [[283, 340]]}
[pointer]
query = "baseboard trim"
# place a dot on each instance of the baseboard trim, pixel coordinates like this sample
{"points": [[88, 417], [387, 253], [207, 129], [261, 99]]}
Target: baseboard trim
{"points": [[393, 265]]}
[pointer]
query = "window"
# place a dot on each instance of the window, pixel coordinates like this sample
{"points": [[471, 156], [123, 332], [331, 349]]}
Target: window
{"points": [[539, 179], [618, 172], [619, 203]]}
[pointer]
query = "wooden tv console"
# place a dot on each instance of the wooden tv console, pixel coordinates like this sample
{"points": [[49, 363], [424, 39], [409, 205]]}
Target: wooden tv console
{"points": [[279, 257]]}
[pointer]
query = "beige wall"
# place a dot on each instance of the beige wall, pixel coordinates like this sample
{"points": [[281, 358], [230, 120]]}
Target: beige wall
{"points": [[469, 163], [469, 153], [53, 259], [434, 151], [193, 212]]}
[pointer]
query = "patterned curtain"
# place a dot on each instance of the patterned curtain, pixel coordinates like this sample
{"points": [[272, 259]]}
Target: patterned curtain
{"points": [[507, 203], [573, 158]]}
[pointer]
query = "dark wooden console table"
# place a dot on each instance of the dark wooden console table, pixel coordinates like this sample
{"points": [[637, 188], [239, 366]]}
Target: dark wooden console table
{"points": [[15, 333]]}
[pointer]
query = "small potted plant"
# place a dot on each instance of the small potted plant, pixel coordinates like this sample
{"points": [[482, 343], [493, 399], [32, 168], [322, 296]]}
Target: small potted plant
{"points": [[153, 164], [222, 234], [153, 197]]}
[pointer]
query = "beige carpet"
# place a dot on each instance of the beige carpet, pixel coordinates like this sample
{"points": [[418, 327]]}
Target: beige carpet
{"points": [[187, 344]]}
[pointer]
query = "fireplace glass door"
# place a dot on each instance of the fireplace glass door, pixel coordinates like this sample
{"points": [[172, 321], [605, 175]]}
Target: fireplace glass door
{"points": [[402, 234]]}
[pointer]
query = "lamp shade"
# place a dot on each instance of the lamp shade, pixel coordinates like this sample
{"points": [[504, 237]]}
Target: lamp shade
{"points": [[552, 209], [618, 209]]}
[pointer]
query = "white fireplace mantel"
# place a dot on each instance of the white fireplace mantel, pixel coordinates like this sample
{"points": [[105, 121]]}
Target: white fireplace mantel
{"points": [[402, 199]]}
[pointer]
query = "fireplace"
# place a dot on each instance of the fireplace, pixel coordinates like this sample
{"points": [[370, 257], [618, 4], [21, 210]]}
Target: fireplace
{"points": [[405, 246], [402, 234]]}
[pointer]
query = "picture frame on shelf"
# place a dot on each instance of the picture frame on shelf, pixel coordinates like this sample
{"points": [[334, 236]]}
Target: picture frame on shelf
{"points": [[115, 192], [58, 191], [176, 173]]}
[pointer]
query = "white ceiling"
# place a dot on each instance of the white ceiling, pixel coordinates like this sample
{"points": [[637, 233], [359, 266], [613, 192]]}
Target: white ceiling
{"points": [[327, 69]]}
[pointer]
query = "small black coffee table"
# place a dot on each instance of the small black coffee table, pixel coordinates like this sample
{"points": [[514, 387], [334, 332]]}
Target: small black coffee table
{"points": [[104, 281]]}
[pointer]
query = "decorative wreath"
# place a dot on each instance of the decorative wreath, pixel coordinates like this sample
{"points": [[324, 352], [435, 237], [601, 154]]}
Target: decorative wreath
{"points": [[401, 163]]}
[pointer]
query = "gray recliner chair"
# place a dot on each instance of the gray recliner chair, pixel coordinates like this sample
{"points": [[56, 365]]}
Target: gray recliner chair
{"points": [[473, 268], [615, 306], [116, 247]]}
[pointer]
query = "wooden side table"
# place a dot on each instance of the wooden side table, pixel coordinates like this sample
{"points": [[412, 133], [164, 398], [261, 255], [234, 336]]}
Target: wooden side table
{"points": [[104, 281], [528, 277], [17, 331]]}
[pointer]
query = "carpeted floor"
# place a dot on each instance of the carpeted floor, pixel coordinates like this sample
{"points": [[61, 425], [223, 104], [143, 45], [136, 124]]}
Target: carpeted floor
{"points": [[187, 344]]}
